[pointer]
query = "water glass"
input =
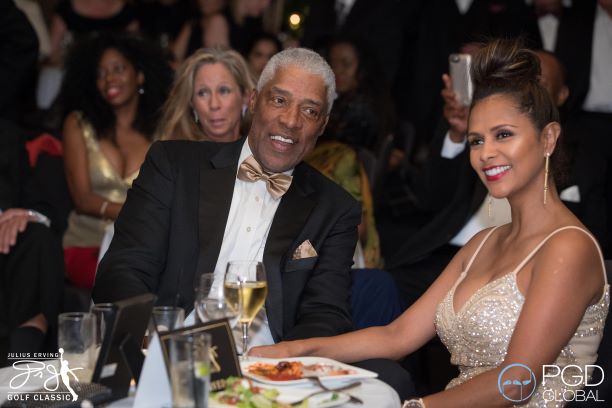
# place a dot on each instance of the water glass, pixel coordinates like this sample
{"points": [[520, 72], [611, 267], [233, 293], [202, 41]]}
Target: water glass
{"points": [[103, 313], [77, 343], [209, 300], [188, 360], [165, 318]]}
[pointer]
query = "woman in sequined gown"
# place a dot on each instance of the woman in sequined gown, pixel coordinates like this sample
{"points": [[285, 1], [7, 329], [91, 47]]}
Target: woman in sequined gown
{"points": [[113, 90], [515, 298]]}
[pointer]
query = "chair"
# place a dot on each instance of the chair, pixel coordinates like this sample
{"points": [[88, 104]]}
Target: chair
{"points": [[382, 162], [368, 159], [375, 300], [604, 359]]}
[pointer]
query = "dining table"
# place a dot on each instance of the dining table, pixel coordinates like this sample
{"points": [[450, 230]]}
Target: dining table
{"points": [[373, 392]]}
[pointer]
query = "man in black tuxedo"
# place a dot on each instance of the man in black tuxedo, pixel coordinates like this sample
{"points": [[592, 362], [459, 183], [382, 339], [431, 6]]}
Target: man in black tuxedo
{"points": [[193, 208], [377, 24], [31, 257]]}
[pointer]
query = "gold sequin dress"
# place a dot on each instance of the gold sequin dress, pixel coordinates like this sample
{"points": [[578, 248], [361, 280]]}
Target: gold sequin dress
{"points": [[477, 335], [84, 230]]}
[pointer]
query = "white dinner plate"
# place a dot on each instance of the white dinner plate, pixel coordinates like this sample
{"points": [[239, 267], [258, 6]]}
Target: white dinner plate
{"points": [[355, 372], [289, 396]]}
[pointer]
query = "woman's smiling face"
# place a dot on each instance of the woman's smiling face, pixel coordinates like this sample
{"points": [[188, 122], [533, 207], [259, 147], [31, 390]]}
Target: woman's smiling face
{"points": [[506, 149]]}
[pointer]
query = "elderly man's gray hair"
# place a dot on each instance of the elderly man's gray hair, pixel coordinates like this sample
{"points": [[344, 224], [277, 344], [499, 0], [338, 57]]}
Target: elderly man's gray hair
{"points": [[305, 59]]}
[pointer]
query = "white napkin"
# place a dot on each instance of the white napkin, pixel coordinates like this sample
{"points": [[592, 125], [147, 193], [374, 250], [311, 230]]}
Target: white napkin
{"points": [[154, 386]]}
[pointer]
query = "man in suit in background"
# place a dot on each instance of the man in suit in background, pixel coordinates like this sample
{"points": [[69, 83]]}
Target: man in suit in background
{"points": [[378, 24], [584, 45], [31, 256], [194, 207]]}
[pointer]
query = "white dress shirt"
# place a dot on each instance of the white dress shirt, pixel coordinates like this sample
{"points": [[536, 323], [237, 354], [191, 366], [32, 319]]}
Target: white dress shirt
{"points": [[250, 217], [500, 208], [343, 8], [599, 97]]}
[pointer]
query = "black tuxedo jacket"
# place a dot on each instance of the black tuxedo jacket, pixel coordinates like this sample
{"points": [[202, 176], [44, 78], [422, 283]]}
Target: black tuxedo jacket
{"points": [[449, 193], [574, 48], [171, 228]]}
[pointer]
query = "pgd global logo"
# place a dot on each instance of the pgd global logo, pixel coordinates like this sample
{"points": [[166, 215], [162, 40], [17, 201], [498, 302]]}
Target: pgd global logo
{"points": [[507, 381], [559, 384]]}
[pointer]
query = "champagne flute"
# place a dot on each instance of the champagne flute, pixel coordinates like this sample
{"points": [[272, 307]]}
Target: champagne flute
{"points": [[246, 289]]}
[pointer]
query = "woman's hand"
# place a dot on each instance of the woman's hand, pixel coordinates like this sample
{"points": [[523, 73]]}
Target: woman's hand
{"points": [[454, 112]]}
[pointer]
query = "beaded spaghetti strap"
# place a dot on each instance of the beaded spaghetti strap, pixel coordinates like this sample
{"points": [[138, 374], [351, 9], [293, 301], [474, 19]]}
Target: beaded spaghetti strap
{"points": [[467, 268], [533, 252]]}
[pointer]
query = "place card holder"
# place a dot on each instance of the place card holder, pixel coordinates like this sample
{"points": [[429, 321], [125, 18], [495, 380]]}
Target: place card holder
{"points": [[224, 361]]}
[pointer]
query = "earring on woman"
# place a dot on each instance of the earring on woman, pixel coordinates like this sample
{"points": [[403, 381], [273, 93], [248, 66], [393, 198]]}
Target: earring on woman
{"points": [[196, 119], [141, 90], [490, 206], [546, 164]]}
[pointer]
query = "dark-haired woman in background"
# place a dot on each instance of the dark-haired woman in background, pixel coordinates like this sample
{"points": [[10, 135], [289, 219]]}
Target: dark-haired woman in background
{"points": [[74, 19], [112, 93], [262, 48], [503, 301], [362, 114]]}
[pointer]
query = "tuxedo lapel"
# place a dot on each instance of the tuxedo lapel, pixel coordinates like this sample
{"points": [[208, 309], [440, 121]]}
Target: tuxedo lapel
{"points": [[289, 220], [217, 180]]}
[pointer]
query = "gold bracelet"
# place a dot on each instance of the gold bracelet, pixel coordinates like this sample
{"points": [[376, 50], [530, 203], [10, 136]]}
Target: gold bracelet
{"points": [[414, 403], [103, 208]]}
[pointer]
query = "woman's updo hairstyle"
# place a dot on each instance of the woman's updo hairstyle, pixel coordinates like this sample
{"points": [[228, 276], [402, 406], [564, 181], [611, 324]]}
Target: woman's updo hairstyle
{"points": [[507, 67], [504, 66]]}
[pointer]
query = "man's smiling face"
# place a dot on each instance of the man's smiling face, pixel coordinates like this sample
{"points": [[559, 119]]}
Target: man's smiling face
{"points": [[289, 114]]}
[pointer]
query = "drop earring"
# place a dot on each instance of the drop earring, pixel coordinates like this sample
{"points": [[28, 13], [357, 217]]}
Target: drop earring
{"points": [[546, 170], [196, 119], [141, 90], [490, 207]]}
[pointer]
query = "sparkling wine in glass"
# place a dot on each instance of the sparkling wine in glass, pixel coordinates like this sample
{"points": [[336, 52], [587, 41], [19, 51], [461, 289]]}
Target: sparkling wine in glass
{"points": [[245, 291]]}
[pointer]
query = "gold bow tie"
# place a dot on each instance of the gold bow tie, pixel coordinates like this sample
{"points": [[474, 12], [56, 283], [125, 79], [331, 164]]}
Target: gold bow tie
{"points": [[276, 183]]}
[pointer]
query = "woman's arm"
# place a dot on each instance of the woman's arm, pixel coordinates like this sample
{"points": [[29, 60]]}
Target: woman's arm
{"points": [[76, 167], [216, 31], [401, 337], [179, 48], [565, 278], [58, 31]]}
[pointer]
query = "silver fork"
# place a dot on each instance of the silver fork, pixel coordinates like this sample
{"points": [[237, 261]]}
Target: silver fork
{"points": [[327, 389], [317, 380]]}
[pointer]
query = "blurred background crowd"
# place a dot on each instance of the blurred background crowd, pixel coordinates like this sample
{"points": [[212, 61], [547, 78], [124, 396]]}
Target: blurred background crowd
{"points": [[87, 85]]}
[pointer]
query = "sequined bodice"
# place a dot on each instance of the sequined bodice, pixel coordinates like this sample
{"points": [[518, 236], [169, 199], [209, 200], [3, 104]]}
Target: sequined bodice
{"points": [[85, 230], [477, 335]]}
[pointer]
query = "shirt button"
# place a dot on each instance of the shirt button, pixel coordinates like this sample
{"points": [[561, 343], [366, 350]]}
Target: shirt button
{"points": [[248, 229]]}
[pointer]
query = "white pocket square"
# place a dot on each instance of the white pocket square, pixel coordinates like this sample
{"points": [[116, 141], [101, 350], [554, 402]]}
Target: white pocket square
{"points": [[305, 250]]}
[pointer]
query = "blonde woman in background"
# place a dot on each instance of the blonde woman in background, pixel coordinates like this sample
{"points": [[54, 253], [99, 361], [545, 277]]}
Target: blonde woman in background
{"points": [[209, 98]]}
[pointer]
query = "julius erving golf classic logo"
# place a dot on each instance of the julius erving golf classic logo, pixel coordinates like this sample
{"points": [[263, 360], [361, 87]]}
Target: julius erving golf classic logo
{"points": [[42, 367]]}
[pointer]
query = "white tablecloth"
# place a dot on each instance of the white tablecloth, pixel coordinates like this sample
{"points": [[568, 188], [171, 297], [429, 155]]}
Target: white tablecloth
{"points": [[373, 392]]}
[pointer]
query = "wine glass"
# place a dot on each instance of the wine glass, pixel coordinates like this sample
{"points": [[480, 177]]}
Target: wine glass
{"points": [[210, 300], [246, 289]]}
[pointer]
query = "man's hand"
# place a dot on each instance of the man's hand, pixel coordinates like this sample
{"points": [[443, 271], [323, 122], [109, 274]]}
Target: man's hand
{"points": [[12, 222], [454, 112], [277, 350]]}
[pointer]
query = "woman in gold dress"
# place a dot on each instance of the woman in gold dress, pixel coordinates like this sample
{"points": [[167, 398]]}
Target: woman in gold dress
{"points": [[112, 92]]}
